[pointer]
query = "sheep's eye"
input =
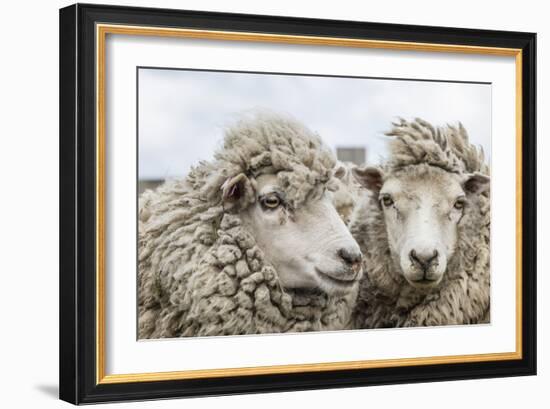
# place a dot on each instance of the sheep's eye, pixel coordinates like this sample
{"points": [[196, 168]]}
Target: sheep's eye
{"points": [[459, 204], [271, 202], [386, 200]]}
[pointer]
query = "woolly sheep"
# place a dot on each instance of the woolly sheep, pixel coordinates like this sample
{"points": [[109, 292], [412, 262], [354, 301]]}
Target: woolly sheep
{"points": [[347, 192], [424, 229], [250, 242]]}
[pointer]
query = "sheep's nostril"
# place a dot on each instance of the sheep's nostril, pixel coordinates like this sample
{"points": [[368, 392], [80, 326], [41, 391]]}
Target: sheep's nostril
{"points": [[350, 256], [423, 259]]}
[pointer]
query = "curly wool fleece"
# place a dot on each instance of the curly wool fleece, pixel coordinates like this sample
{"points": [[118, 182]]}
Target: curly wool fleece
{"points": [[201, 272], [463, 297]]}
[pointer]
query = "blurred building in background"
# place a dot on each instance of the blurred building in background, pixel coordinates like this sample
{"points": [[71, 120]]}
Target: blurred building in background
{"points": [[355, 155], [143, 185]]}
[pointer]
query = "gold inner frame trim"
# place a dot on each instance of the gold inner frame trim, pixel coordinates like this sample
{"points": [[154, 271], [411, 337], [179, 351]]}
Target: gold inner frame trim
{"points": [[101, 33]]}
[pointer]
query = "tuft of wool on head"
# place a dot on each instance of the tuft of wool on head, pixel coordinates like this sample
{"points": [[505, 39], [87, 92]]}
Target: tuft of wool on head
{"points": [[200, 271], [418, 142], [463, 297], [267, 144]]}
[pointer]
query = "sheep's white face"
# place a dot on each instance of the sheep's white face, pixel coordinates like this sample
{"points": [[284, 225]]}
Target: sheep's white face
{"points": [[310, 247], [422, 212]]}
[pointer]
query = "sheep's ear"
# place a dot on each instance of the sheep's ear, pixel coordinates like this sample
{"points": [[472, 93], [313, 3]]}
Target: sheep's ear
{"points": [[476, 183], [370, 177], [235, 188]]}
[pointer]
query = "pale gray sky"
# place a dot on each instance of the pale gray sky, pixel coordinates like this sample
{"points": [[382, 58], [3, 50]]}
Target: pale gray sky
{"points": [[182, 113]]}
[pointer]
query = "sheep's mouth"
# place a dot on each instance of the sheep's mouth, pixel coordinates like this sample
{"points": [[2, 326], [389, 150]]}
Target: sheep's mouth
{"points": [[425, 283], [341, 279]]}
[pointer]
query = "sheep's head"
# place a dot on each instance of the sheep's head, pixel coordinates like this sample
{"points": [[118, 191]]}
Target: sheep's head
{"points": [[422, 207], [283, 197], [430, 181]]}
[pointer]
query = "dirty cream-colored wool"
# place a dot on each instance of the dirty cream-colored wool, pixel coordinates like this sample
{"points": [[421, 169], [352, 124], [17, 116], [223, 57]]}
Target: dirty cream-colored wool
{"points": [[348, 191], [463, 297], [201, 272]]}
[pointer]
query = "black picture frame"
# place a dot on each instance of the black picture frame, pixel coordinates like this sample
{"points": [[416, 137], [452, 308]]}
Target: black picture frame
{"points": [[78, 236]]}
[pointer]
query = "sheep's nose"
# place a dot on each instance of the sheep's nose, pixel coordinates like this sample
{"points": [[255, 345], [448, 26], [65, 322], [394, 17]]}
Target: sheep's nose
{"points": [[424, 259], [350, 255]]}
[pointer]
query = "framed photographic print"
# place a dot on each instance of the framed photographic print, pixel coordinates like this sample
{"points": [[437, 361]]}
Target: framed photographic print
{"points": [[258, 203]]}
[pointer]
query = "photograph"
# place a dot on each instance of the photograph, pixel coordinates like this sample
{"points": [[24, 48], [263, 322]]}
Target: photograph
{"points": [[275, 204], [255, 203], [282, 203]]}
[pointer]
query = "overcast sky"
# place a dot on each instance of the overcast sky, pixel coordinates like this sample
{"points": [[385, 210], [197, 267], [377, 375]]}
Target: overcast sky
{"points": [[182, 113]]}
